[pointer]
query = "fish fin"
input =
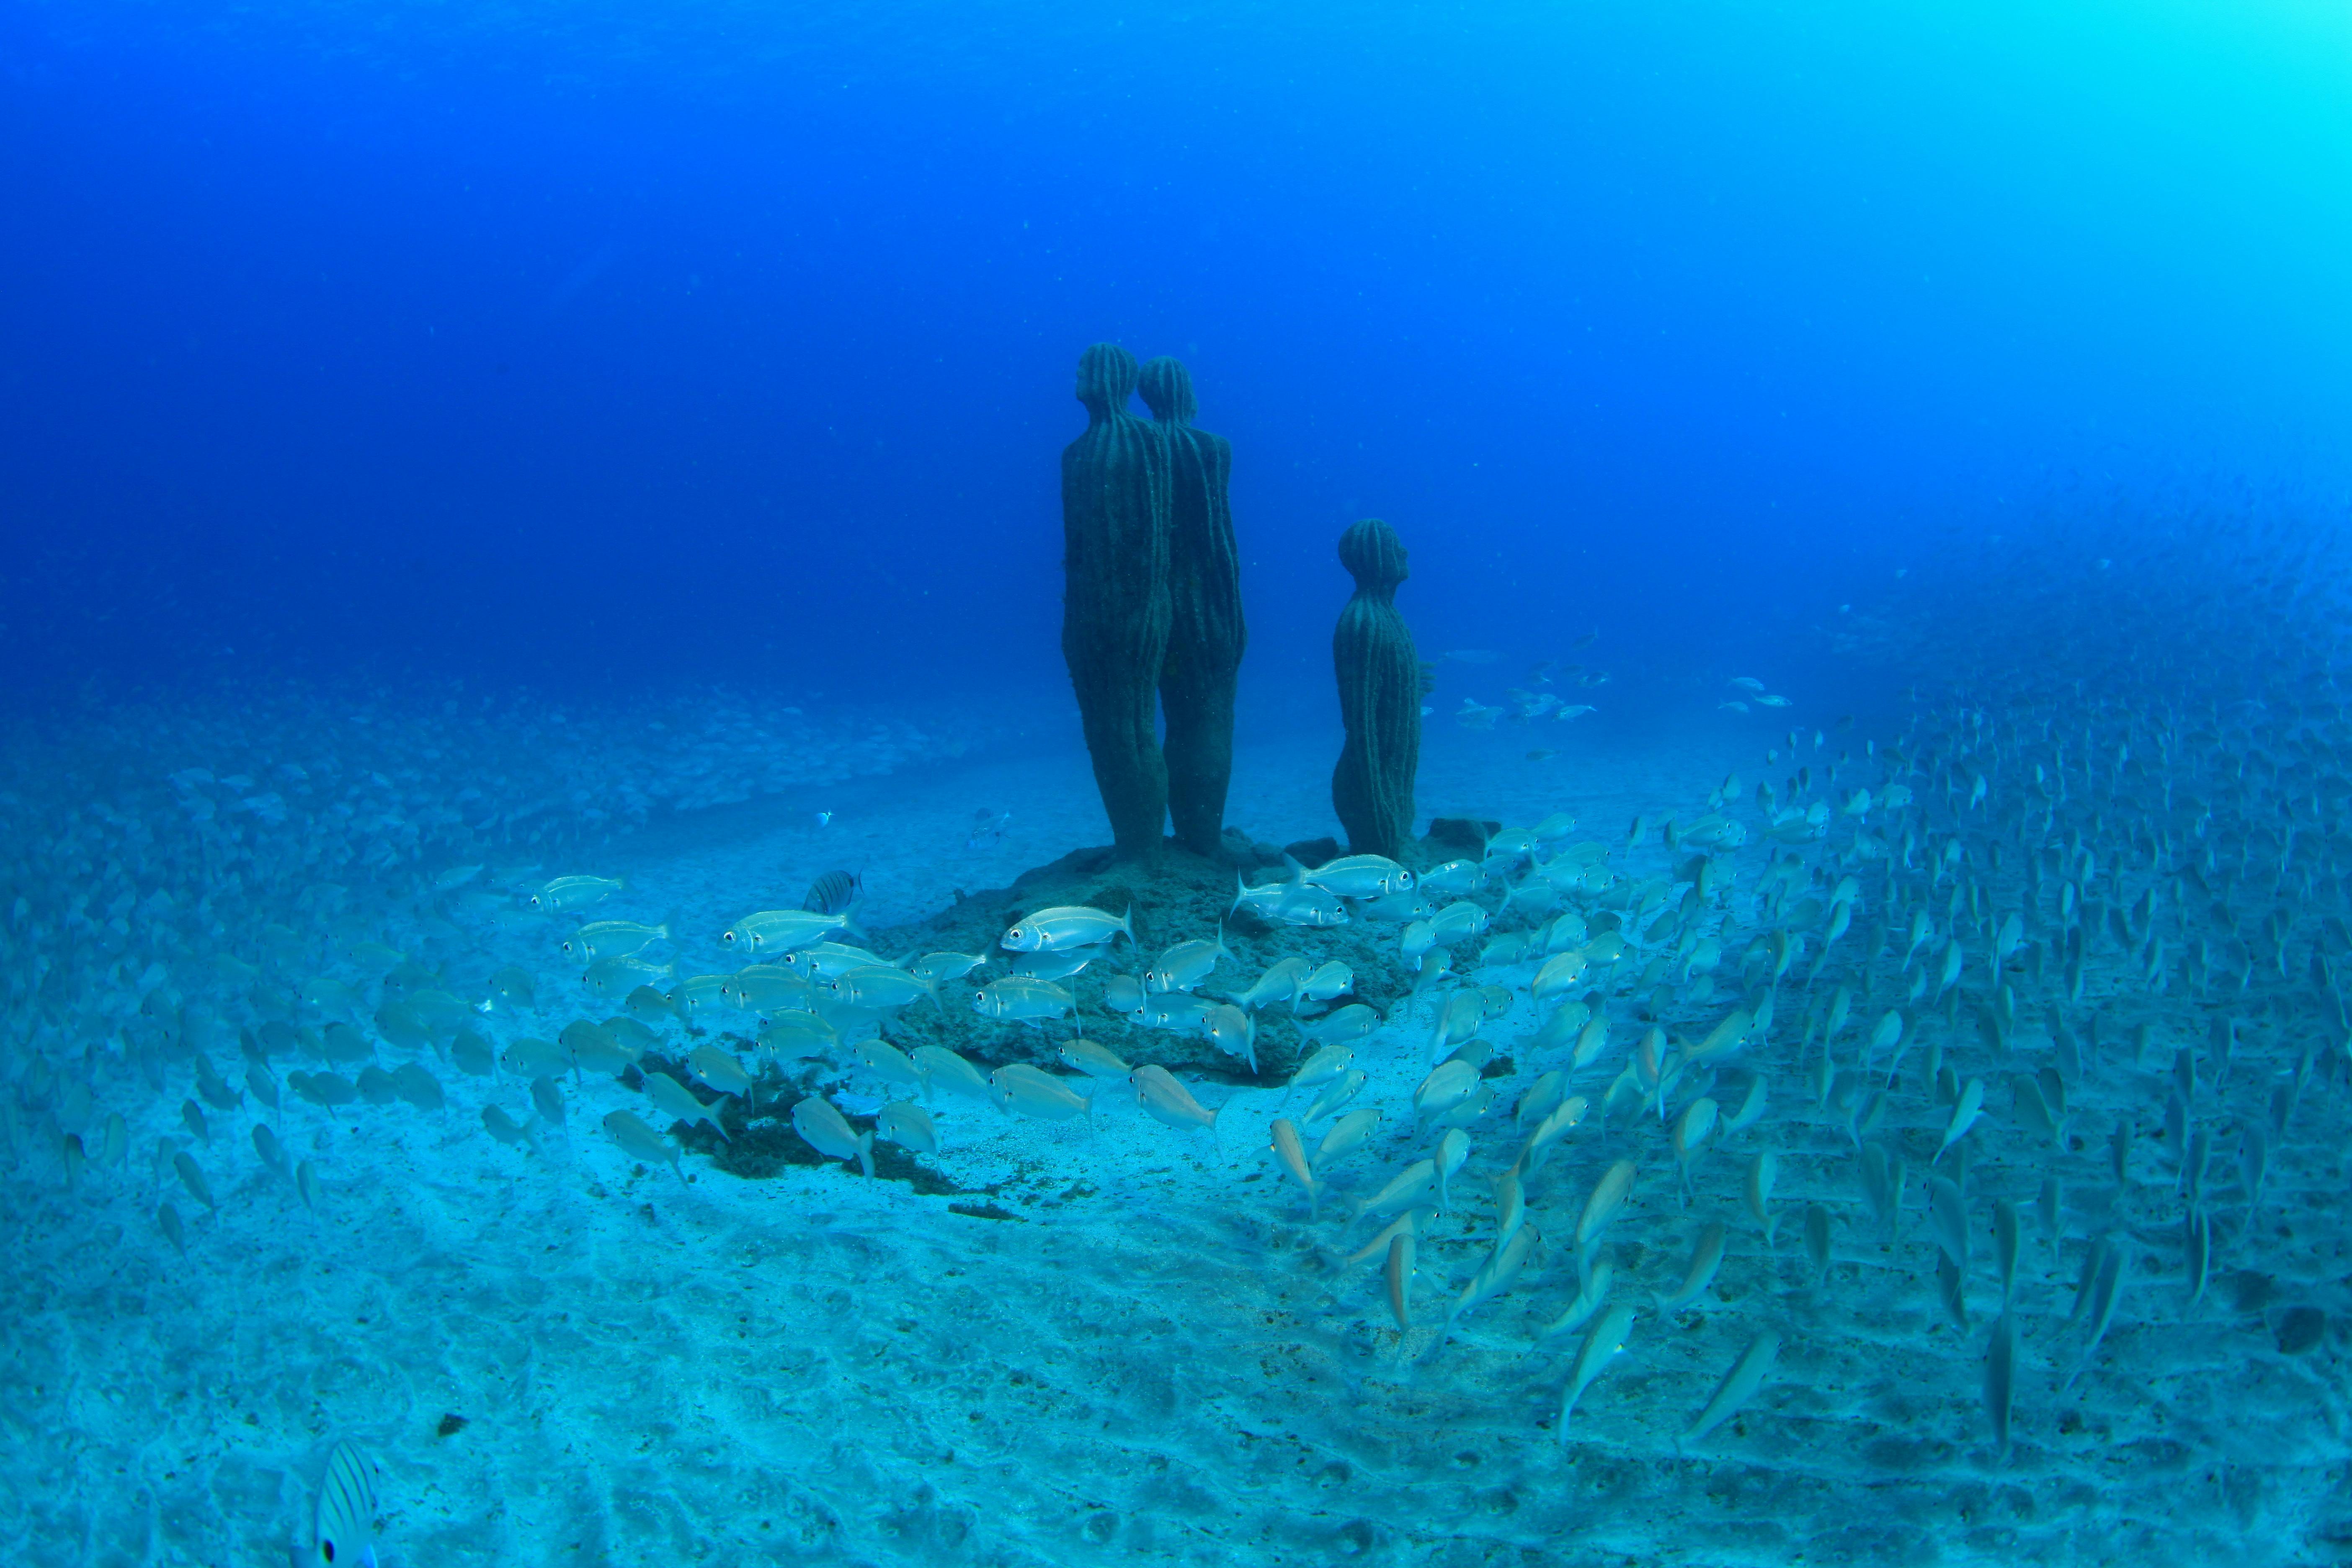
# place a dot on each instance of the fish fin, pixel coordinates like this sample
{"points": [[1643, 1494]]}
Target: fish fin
{"points": [[866, 1154]]}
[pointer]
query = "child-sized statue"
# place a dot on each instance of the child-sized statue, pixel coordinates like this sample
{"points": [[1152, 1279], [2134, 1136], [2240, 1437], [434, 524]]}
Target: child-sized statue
{"points": [[1379, 697]]}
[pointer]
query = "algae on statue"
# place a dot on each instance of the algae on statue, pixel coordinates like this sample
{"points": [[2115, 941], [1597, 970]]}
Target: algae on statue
{"points": [[1205, 633], [1114, 604], [1379, 697]]}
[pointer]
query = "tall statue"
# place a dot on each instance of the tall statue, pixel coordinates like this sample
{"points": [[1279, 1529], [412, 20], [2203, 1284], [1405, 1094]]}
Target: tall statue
{"points": [[1115, 602], [1205, 588], [1379, 697]]}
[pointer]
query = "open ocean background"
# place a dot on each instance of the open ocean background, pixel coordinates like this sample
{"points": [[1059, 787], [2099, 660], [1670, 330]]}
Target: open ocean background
{"points": [[595, 346], [447, 447]]}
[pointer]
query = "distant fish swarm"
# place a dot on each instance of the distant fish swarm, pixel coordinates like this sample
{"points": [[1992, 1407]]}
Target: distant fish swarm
{"points": [[1990, 1061]]}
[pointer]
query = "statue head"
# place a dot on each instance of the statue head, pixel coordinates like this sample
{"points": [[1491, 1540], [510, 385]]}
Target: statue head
{"points": [[1167, 390], [1106, 376], [1374, 555]]}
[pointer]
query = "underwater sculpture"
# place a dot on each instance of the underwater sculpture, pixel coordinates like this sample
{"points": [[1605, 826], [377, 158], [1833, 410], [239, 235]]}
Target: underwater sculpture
{"points": [[1379, 696], [1115, 607], [1205, 632]]}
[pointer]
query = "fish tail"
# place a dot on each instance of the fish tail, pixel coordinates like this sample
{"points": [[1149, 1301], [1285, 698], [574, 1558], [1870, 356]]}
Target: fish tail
{"points": [[866, 1154]]}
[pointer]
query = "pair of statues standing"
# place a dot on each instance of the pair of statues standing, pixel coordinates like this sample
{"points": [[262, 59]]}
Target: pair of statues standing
{"points": [[1151, 616], [1152, 623]]}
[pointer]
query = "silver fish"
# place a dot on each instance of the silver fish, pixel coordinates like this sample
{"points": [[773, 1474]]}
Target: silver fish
{"points": [[1590, 1296], [676, 1102], [1186, 965], [909, 1125], [1342, 1090], [1447, 1085], [1234, 1031], [1067, 926], [1171, 1102], [1329, 982], [1094, 1060], [1291, 1155], [944, 1068], [639, 1140], [1500, 1270], [1707, 1257], [1033, 1092], [1278, 983], [825, 1130], [1398, 1274], [1738, 1385], [1601, 1348], [1015, 997], [1326, 1065], [1342, 1027], [1356, 876], [773, 931], [1346, 1135], [1410, 1188]]}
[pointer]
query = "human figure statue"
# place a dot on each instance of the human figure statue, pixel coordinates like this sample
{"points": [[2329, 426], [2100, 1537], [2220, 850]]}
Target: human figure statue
{"points": [[1205, 633], [1114, 602], [1379, 697]]}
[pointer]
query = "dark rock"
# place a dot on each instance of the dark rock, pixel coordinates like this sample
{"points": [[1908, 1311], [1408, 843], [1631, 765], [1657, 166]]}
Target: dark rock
{"points": [[1205, 635], [1180, 896], [1379, 697], [1114, 606], [1462, 835], [1311, 852]]}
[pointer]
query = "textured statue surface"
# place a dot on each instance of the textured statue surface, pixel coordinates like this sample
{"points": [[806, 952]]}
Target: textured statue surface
{"points": [[1205, 633], [1379, 697], [1114, 604]]}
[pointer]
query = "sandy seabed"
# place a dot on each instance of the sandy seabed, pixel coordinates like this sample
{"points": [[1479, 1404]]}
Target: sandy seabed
{"points": [[1145, 1351]]}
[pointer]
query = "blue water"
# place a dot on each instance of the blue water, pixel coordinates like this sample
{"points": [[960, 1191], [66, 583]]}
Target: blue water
{"points": [[573, 342], [500, 443]]}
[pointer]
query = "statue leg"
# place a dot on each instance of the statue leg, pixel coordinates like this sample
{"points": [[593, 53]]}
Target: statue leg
{"points": [[1196, 693], [1121, 725]]}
